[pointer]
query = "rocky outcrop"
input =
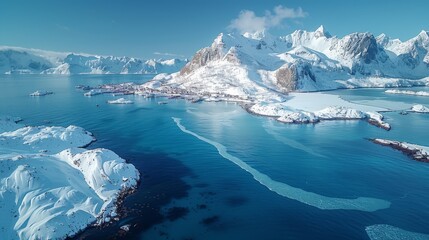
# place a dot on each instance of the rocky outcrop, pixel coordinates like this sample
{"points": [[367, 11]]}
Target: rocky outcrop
{"points": [[413, 151], [204, 56], [232, 56], [287, 77]]}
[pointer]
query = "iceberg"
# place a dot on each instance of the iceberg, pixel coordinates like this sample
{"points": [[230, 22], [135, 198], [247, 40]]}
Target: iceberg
{"points": [[120, 101], [420, 109], [39, 93]]}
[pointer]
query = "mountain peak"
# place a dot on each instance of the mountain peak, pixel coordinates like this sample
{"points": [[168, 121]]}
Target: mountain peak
{"points": [[382, 36], [219, 39], [423, 34], [383, 39], [321, 31]]}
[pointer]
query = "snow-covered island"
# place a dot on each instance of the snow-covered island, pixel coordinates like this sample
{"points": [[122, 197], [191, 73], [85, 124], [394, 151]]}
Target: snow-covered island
{"points": [[419, 109], [39, 93], [51, 187], [408, 92], [120, 101], [417, 152], [284, 114]]}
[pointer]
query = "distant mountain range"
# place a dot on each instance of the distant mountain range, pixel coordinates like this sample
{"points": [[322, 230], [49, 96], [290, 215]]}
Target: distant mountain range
{"points": [[256, 63], [240, 64], [15, 60]]}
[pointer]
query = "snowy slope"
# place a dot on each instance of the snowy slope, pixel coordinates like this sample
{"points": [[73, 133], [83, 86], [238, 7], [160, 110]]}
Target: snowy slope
{"points": [[51, 187], [14, 60], [261, 65]]}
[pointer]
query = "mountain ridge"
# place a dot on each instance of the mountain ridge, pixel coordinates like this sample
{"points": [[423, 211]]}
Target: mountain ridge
{"points": [[303, 61], [17, 60]]}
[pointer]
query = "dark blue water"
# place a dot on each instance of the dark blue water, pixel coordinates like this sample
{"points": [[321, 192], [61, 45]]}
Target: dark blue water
{"points": [[189, 191]]}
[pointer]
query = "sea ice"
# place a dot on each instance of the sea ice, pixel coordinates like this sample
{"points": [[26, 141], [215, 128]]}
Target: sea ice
{"points": [[120, 101], [39, 93], [407, 92], [388, 232]]}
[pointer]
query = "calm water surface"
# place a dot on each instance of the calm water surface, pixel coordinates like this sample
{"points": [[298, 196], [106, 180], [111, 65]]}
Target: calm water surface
{"points": [[189, 191]]}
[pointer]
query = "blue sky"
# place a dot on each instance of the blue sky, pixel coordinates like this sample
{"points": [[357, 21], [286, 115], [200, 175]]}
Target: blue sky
{"points": [[143, 28]]}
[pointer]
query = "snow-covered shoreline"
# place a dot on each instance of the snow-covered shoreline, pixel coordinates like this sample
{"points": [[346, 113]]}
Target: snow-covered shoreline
{"points": [[315, 107], [51, 187], [408, 92]]}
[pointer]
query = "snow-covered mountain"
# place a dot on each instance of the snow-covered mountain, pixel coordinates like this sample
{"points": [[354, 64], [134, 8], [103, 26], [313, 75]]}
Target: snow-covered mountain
{"points": [[14, 60], [51, 187], [260, 64]]}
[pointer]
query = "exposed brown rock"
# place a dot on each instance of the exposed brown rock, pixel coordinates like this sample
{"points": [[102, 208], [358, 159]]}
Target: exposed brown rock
{"points": [[287, 77], [413, 152], [203, 56]]}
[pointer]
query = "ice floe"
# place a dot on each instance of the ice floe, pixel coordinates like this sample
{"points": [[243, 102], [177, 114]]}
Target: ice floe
{"points": [[420, 109], [120, 101], [388, 232], [39, 93], [408, 92]]}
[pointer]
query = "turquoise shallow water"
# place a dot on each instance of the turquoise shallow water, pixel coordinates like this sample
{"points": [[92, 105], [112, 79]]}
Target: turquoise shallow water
{"points": [[190, 191]]}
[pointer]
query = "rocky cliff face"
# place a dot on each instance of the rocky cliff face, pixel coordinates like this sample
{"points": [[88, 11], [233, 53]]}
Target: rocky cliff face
{"points": [[205, 55], [361, 46], [287, 77]]}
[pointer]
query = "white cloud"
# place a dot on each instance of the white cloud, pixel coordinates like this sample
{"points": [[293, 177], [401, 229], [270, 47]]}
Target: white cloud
{"points": [[247, 21], [168, 54]]}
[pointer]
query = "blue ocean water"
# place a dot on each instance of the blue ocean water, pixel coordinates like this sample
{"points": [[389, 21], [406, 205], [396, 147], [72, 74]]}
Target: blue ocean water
{"points": [[189, 190]]}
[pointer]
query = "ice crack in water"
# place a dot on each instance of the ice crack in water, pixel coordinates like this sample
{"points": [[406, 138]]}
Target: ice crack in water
{"points": [[309, 198]]}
